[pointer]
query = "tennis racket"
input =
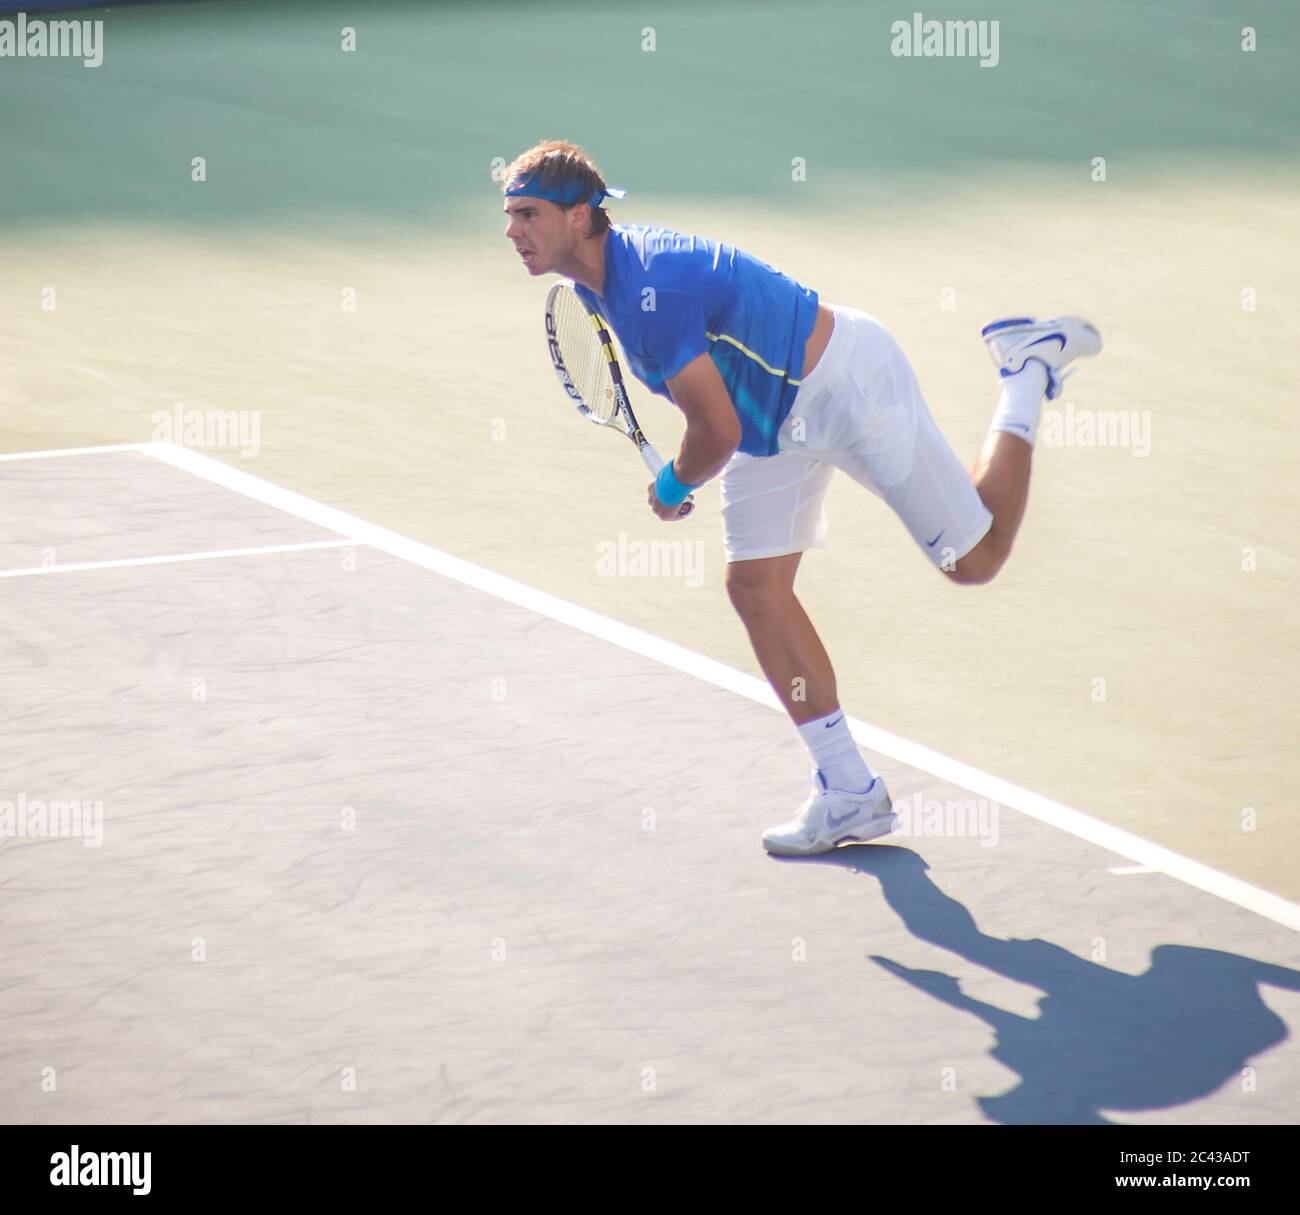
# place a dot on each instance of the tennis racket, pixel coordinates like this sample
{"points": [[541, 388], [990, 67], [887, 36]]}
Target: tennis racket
{"points": [[582, 353]]}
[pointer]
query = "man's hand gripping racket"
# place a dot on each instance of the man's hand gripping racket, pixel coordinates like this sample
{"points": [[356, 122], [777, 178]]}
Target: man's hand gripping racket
{"points": [[582, 353]]}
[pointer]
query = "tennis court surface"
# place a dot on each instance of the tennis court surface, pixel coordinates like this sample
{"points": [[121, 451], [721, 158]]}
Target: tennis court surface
{"points": [[368, 834]]}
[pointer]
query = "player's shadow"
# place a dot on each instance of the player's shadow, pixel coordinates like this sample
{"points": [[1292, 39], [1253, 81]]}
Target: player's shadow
{"points": [[1103, 1039]]}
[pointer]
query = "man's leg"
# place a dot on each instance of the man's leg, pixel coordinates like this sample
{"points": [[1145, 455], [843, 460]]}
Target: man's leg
{"points": [[1033, 357], [797, 666], [1001, 475], [785, 643]]}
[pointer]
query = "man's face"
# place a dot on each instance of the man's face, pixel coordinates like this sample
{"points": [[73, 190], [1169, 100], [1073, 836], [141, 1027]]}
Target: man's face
{"points": [[543, 233]]}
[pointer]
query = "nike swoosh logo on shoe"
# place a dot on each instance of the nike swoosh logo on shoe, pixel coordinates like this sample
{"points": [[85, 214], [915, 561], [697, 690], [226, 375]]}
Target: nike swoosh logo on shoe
{"points": [[1051, 337], [833, 822]]}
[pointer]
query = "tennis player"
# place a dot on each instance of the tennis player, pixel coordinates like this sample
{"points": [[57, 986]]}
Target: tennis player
{"points": [[779, 390]]}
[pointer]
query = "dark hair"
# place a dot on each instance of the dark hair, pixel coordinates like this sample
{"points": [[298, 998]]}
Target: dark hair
{"points": [[560, 161]]}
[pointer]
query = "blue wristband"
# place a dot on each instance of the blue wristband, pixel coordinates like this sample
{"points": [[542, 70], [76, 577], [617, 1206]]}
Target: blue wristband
{"points": [[668, 489]]}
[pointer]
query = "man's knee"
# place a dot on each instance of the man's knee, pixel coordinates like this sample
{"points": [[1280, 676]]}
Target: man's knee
{"points": [[753, 593], [979, 566]]}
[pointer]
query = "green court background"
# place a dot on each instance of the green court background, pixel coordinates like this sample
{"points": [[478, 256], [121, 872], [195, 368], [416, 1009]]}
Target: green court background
{"points": [[938, 194]]}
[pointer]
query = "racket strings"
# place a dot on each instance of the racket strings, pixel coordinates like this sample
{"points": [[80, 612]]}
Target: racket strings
{"points": [[584, 357]]}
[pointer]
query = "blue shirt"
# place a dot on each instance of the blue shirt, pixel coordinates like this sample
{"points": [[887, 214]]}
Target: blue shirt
{"points": [[670, 297]]}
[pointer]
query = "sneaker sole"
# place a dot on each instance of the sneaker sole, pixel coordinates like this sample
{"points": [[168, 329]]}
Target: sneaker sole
{"points": [[880, 824], [1015, 322]]}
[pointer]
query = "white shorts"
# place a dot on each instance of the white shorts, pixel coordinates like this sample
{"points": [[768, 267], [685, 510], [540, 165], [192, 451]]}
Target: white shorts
{"points": [[861, 410]]}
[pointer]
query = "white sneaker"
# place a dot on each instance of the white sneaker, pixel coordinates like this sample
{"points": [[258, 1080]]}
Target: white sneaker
{"points": [[832, 816], [1055, 343]]}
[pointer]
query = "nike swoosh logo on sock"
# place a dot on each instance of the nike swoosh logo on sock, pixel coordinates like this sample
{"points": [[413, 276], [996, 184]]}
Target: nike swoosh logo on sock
{"points": [[836, 722]]}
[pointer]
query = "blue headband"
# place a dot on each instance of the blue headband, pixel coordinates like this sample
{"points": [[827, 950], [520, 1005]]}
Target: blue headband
{"points": [[566, 193]]}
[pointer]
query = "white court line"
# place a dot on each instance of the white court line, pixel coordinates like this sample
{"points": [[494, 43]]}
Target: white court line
{"points": [[74, 567], [73, 451], [1044, 809]]}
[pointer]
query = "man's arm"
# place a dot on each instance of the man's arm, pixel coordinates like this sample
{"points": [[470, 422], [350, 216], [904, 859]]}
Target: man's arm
{"points": [[712, 427]]}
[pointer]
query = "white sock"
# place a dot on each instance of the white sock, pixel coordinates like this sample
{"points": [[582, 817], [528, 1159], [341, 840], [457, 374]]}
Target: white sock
{"points": [[836, 754], [1022, 402]]}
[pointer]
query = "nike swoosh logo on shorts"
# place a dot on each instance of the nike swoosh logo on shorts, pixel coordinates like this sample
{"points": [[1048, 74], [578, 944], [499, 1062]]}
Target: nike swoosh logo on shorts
{"points": [[932, 543]]}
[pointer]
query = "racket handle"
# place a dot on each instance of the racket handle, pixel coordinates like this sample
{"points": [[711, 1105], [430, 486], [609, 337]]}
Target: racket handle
{"points": [[654, 462]]}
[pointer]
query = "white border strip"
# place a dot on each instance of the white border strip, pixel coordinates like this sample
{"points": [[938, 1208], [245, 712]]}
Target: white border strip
{"points": [[74, 451], [1045, 810], [74, 567]]}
